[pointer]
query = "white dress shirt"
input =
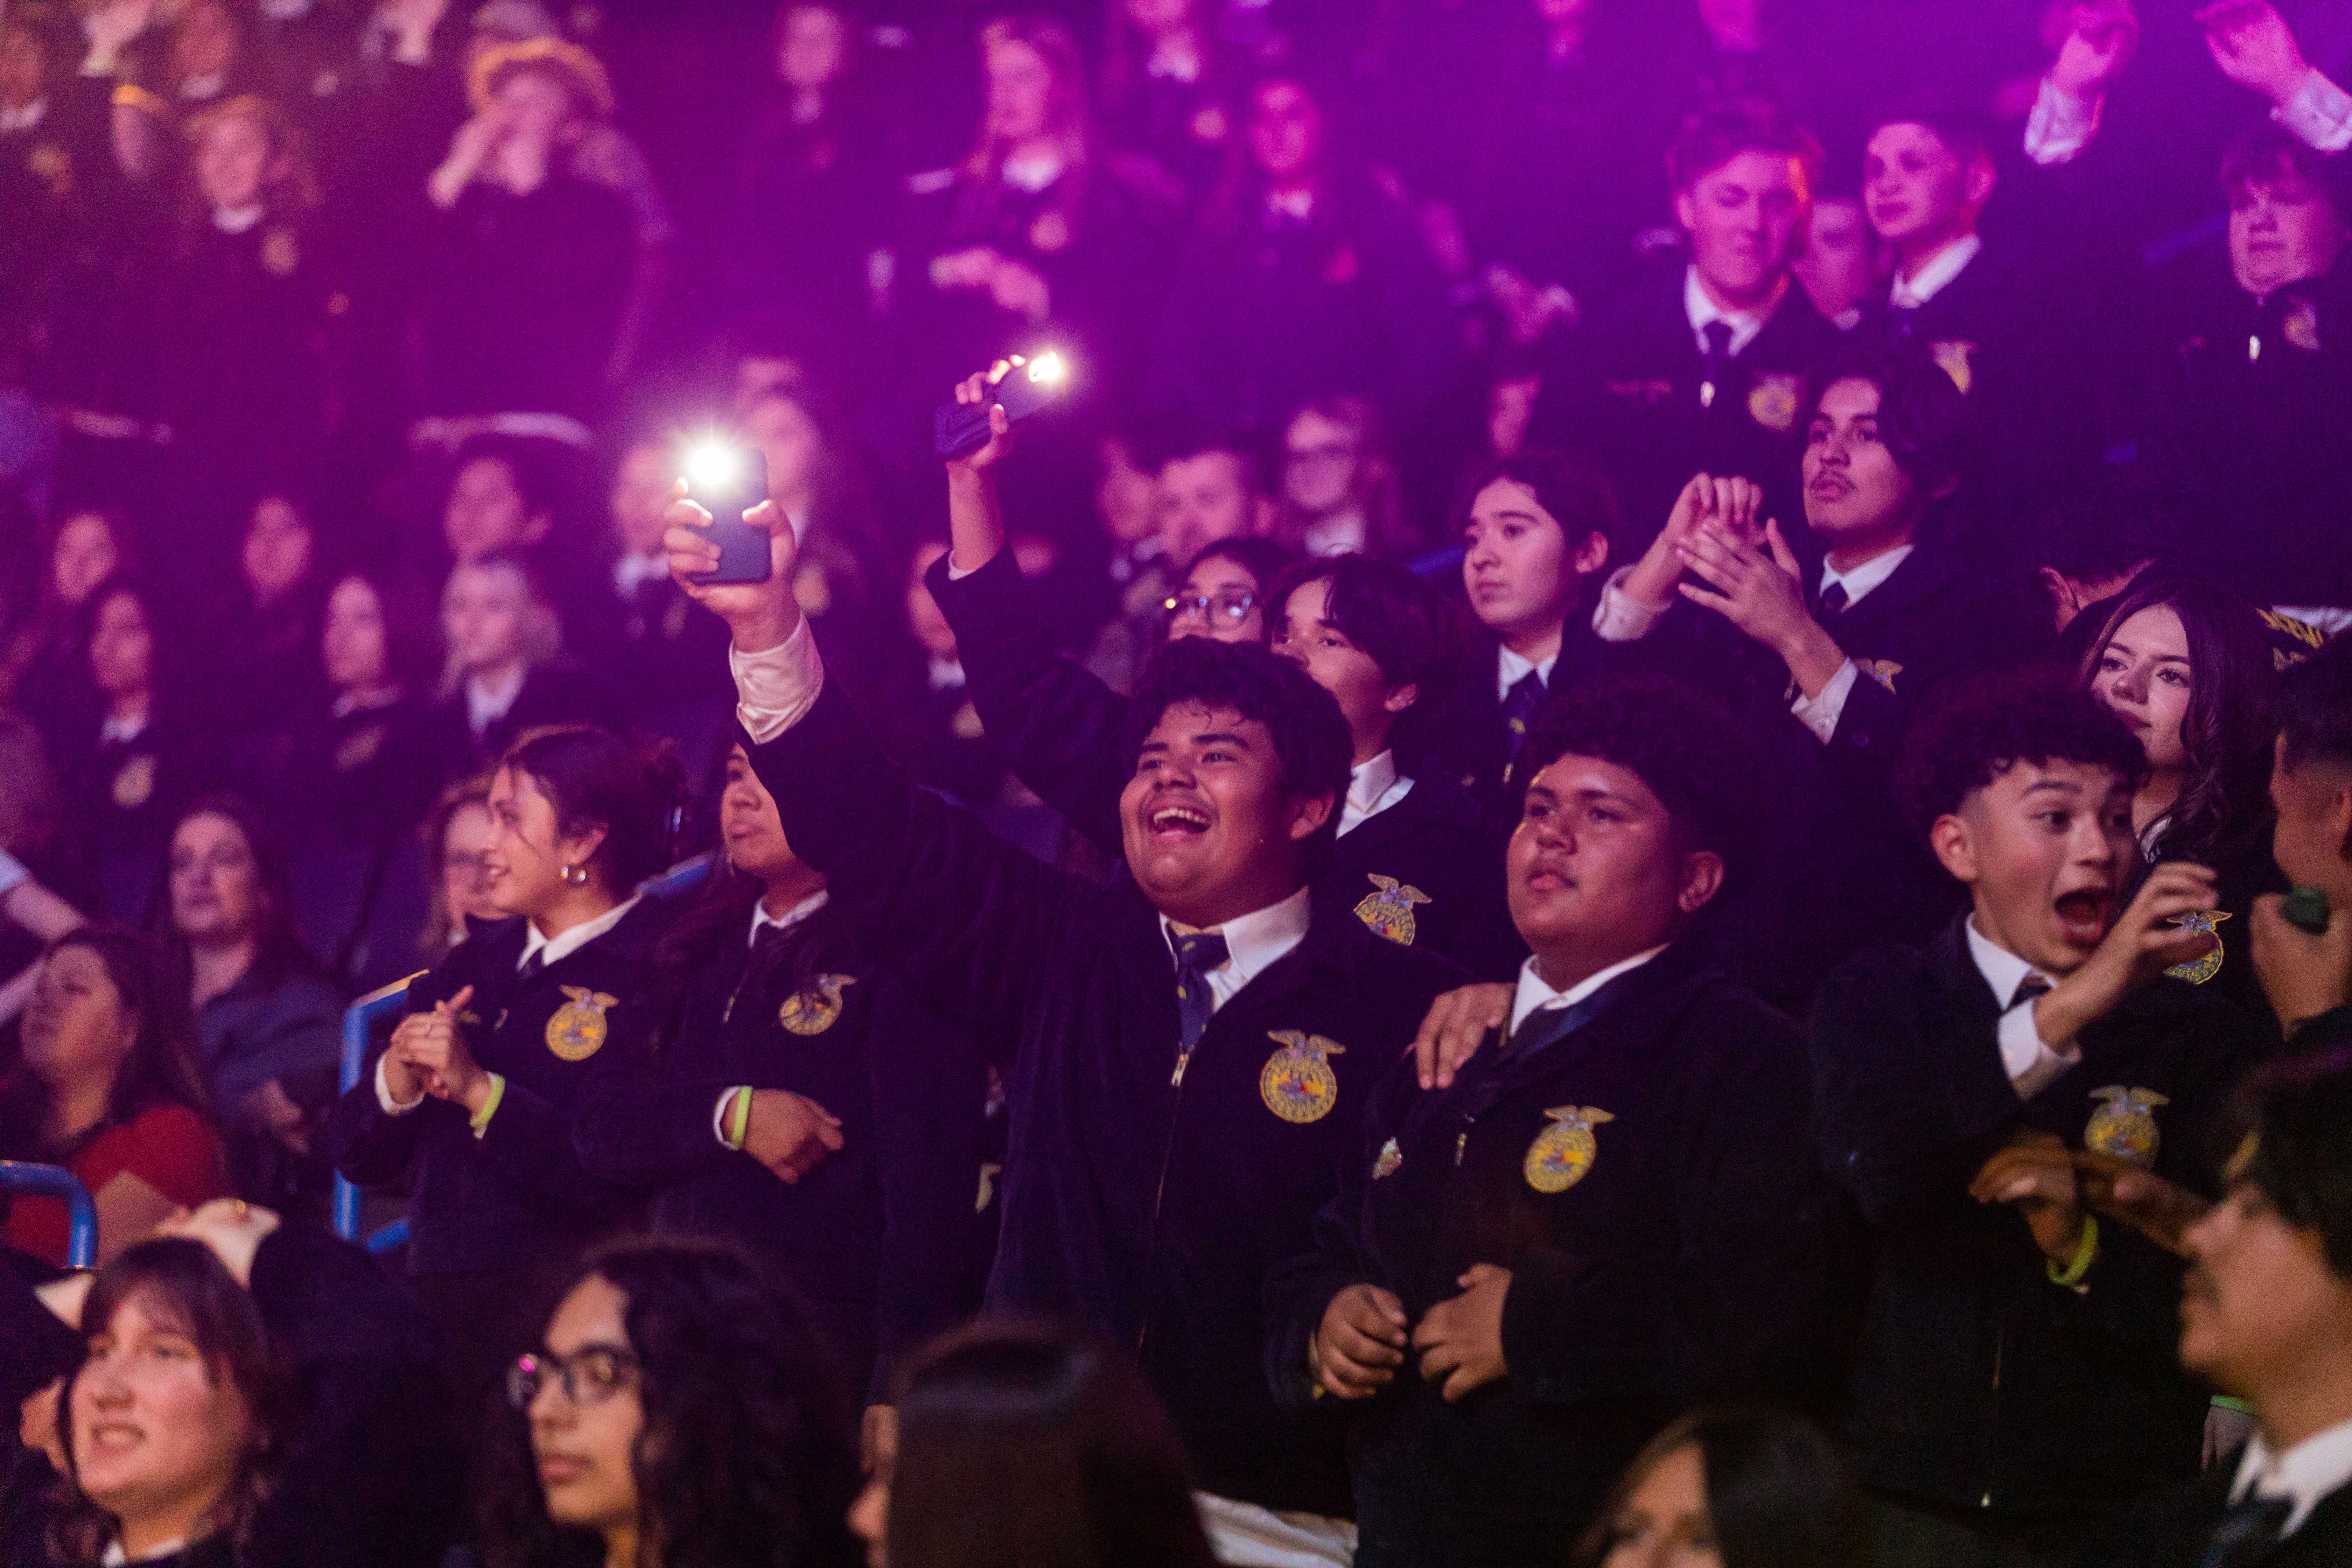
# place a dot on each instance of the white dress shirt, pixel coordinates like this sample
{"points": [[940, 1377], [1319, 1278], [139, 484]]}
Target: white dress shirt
{"points": [[2030, 1064], [1255, 943], [631, 571], [1511, 668], [2318, 113], [24, 119], [1700, 308], [1910, 294], [129, 729], [1536, 995], [2061, 125], [775, 687], [2304, 1475], [1820, 714], [485, 707], [1372, 788], [237, 220]]}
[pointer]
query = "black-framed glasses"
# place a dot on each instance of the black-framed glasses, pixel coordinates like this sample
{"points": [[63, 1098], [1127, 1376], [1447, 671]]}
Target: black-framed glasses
{"points": [[590, 1375], [1228, 606]]}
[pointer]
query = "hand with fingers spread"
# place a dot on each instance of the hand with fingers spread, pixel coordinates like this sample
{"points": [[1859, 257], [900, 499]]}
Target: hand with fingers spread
{"points": [[2035, 1172], [1457, 1024], [1461, 1340], [429, 1053], [1733, 502], [1360, 1344], [1757, 585], [2304, 974], [761, 616], [789, 1133], [2139, 947], [2141, 1199]]}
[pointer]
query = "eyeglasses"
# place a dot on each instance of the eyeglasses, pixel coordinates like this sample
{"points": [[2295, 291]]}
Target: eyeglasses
{"points": [[591, 1374], [1230, 607]]}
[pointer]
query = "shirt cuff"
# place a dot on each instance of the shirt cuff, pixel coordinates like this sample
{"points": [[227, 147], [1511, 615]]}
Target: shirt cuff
{"points": [[2061, 125], [2030, 1064], [13, 874], [2318, 113], [481, 1119], [384, 1100], [775, 688], [719, 1115], [1820, 714], [1619, 616]]}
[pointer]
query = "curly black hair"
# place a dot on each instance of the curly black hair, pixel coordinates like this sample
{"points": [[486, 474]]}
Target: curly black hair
{"points": [[1400, 621], [1923, 419], [1980, 728], [748, 1455], [2302, 1159], [1682, 743]]}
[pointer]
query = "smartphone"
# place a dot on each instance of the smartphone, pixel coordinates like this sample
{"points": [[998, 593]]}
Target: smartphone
{"points": [[727, 479], [959, 429]]}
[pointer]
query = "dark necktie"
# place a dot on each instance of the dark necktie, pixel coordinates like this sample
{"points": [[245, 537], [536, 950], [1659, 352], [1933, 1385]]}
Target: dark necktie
{"points": [[2032, 986], [531, 967], [1195, 956], [2247, 1531], [1834, 603], [1714, 360], [1519, 705]]}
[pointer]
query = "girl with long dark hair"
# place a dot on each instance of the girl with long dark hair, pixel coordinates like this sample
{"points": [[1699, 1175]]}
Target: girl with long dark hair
{"points": [[1732, 1488]]}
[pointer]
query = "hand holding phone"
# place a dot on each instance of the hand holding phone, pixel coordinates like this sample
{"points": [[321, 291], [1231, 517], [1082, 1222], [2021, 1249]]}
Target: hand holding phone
{"points": [[1020, 388], [727, 480]]}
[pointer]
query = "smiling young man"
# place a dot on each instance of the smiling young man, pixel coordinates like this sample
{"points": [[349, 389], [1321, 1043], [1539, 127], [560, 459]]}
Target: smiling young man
{"points": [[1612, 1212], [2015, 1383], [1185, 1049]]}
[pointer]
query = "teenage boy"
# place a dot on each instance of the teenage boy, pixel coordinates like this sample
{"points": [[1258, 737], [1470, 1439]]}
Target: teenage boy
{"points": [[1185, 1049], [2308, 975], [2016, 1382], [1614, 1209]]}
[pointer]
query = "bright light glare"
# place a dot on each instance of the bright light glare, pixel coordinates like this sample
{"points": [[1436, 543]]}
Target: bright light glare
{"points": [[713, 466], [1047, 369]]}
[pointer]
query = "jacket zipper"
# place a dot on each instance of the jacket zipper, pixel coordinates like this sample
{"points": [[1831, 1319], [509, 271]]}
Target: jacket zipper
{"points": [[1159, 1192]]}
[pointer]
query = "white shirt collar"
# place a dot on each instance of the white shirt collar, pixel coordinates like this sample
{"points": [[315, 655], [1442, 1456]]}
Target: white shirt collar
{"points": [[349, 702], [790, 916], [631, 571], [115, 1557], [1536, 995], [1866, 576], [945, 674], [1512, 669], [2304, 1475], [1183, 67], [26, 118], [2003, 969], [123, 729], [1700, 308], [559, 948], [1255, 943], [1298, 206], [237, 220], [1372, 788], [484, 707], [202, 88], [1032, 173], [1910, 294]]}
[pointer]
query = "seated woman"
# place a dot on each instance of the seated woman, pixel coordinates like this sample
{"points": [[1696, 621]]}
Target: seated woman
{"points": [[46, 671], [802, 1103], [268, 1020], [2187, 667], [1733, 1488], [477, 1090], [108, 1089], [504, 676], [676, 1409], [1020, 1442]]}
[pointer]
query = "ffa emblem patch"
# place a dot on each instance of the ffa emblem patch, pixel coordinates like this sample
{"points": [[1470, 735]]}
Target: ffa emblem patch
{"points": [[2300, 326], [1389, 911], [988, 1174], [1386, 1162], [280, 255], [2198, 971], [2124, 1127], [134, 782], [1773, 402], [1298, 1084], [359, 749], [1050, 233], [816, 1008], [1882, 671], [577, 1030], [1562, 1153], [1956, 359]]}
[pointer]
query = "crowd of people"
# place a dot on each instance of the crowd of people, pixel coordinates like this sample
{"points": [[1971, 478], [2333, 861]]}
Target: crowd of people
{"points": [[1607, 818]]}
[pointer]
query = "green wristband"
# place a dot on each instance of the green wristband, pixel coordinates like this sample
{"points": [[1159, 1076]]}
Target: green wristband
{"points": [[2224, 1402], [738, 1118], [2086, 1252]]}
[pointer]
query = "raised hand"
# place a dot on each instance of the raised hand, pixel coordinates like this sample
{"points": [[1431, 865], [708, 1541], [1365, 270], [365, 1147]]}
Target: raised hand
{"points": [[762, 615], [1731, 502], [2141, 945], [432, 1046], [2254, 48], [2101, 39], [1359, 1344]]}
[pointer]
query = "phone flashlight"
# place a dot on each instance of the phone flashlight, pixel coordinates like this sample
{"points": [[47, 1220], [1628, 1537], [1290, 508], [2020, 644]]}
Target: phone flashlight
{"points": [[959, 429], [727, 479]]}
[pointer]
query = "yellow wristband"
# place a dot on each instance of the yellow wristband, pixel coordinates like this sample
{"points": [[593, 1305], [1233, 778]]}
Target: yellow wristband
{"points": [[481, 1119], [2086, 1252], [738, 1116]]}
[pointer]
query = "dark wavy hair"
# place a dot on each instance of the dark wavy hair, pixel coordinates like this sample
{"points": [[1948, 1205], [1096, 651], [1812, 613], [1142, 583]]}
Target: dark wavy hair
{"points": [[161, 1068], [1777, 1495], [2316, 706], [1979, 729], [2228, 730], [1721, 131], [1030, 1444], [595, 778], [2302, 1147], [1403, 623], [1923, 419], [278, 950], [1576, 492], [181, 1282], [748, 1457]]}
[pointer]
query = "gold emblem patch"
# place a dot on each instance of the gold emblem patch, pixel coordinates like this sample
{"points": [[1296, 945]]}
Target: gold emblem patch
{"points": [[1389, 910], [1387, 1162], [1957, 358], [2124, 1127], [1562, 1153], [1882, 671], [815, 1008], [578, 1029], [2300, 327], [134, 782], [1773, 402], [1298, 1084], [2198, 971]]}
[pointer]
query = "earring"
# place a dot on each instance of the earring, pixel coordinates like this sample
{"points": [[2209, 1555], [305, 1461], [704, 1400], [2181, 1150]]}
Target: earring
{"points": [[574, 875]]}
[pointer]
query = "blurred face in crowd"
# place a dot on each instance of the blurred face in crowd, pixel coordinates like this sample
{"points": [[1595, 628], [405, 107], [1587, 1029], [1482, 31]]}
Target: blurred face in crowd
{"points": [[1744, 218], [1319, 464], [486, 613], [815, 43], [158, 1431], [1595, 872], [1204, 808], [232, 161], [215, 881], [1020, 92], [2259, 1304], [1153, 17], [2145, 678], [1203, 498], [584, 1439], [2312, 840], [78, 1029], [465, 880], [276, 554], [524, 857], [1286, 133], [1219, 599], [206, 44], [22, 69], [1522, 574], [1858, 499], [1839, 263], [932, 633], [1664, 1522], [2282, 231], [83, 556], [750, 826], [355, 644], [536, 106], [1367, 700], [122, 647], [641, 489], [1127, 498], [2043, 850], [790, 441], [489, 510], [1922, 195]]}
